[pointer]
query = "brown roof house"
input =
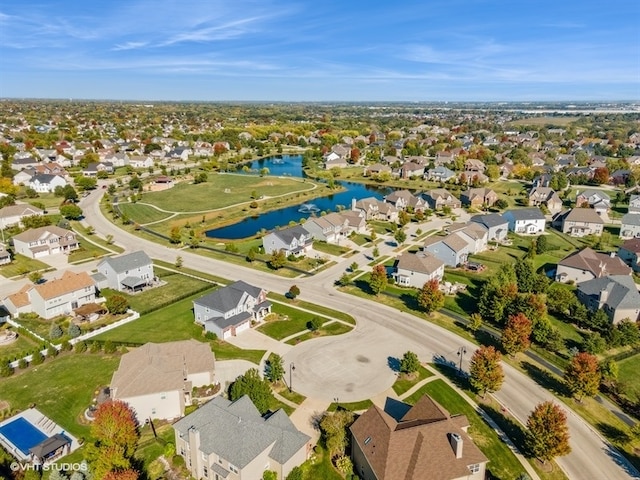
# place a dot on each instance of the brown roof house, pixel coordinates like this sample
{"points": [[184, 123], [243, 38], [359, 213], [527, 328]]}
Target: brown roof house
{"points": [[416, 269], [43, 241], [629, 252], [579, 222], [157, 379], [55, 297], [439, 197], [479, 197], [414, 443], [547, 197], [588, 264]]}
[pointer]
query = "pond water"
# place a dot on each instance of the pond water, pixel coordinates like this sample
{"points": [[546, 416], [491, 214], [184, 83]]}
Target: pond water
{"points": [[291, 165]]}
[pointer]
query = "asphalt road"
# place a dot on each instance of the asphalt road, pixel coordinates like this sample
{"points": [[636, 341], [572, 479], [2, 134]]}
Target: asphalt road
{"points": [[356, 365]]}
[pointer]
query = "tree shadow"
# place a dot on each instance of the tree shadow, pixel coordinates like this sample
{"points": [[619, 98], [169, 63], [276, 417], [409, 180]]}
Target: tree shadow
{"points": [[623, 462], [509, 426], [394, 363], [363, 285], [449, 369], [613, 433], [545, 379]]}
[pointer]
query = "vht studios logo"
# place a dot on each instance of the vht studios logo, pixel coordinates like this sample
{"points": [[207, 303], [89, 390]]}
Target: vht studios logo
{"points": [[61, 467]]}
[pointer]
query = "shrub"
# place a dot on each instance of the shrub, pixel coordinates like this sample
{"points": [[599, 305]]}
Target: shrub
{"points": [[80, 347], [37, 358], [6, 370], [109, 347], [55, 332], [66, 346], [95, 347], [314, 324], [295, 474], [210, 336], [117, 304], [52, 351], [74, 330], [22, 364]]}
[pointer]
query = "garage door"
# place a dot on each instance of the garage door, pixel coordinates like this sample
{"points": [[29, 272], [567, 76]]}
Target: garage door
{"points": [[226, 334], [242, 327]]}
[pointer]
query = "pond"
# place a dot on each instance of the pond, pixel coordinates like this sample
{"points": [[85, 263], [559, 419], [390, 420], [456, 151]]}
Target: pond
{"points": [[291, 165]]}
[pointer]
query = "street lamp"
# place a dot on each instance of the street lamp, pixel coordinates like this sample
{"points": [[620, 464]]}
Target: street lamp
{"points": [[461, 352], [292, 367]]}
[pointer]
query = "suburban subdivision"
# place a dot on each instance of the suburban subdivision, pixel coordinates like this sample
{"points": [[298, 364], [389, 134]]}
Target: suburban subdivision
{"points": [[301, 292]]}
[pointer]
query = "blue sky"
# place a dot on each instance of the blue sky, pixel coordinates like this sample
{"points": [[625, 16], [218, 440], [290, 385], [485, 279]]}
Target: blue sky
{"points": [[348, 50]]}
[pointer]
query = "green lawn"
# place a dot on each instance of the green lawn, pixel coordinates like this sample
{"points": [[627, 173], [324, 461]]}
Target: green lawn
{"points": [[142, 213], [20, 347], [502, 462], [22, 265], [330, 248], [404, 383], [86, 251], [221, 190], [322, 310], [335, 328], [61, 389], [287, 321], [226, 351], [628, 377], [352, 406]]}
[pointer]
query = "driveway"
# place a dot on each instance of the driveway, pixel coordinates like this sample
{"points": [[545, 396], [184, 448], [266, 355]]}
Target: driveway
{"points": [[228, 370]]}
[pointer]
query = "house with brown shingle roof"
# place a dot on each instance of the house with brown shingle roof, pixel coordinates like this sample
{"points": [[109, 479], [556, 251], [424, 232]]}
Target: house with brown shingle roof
{"points": [[416, 269], [479, 197], [414, 443], [588, 264], [629, 252], [43, 241], [545, 196], [579, 222], [157, 379], [440, 197], [55, 297]]}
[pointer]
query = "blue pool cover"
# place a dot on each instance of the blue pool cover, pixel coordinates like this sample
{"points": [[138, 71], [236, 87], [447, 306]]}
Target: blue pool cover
{"points": [[22, 434]]}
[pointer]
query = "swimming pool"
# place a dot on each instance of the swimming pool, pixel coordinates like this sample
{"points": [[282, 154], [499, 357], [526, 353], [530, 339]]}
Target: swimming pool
{"points": [[22, 434]]}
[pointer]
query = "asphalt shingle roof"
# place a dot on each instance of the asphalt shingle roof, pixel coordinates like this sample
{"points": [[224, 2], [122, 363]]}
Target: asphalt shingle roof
{"points": [[126, 262]]}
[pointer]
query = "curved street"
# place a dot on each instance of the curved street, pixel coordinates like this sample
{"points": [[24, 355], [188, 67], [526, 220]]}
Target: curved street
{"points": [[356, 365]]}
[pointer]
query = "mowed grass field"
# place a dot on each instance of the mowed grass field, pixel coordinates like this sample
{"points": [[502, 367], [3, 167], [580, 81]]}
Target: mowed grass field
{"points": [[219, 191], [628, 376], [142, 214]]}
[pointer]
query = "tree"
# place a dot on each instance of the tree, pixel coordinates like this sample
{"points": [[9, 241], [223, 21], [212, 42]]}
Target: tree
{"points": [[179, 262], [485, 370], [601, 175], [400, 236], [314, 324], [294, 291], [117, 304], [295, 474], [375, 252], [126, 474], [609, 371], [269, 475], [403, 218], [116, 435], [515, 336], [85, 183], [378, 279], [409, 363], [6, 370], [334, 429], [582, 375], [278, 260], [135, 183], [542, 244], [175, 235], [274, 368], [35, 277], [71, 212], [255, 387], [55, 331], [475, 322], [74, 330], [353, 267], [548, 434], [430, 298], [69, 193]]}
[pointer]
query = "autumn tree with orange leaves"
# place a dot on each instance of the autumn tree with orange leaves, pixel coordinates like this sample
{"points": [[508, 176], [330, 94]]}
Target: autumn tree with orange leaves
{"points": [[516, 335]]}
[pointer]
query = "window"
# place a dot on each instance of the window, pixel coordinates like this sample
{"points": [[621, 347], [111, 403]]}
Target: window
{"points": [[204, 456], [163, 396], [233, 468], [367, 440], [475, 468], [153, 411], [205, 473]]}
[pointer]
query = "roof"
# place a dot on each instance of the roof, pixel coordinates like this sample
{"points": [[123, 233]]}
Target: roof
{"points": [[69, 282], [490, 220], [599, 264], [227, 298], [288, 234], [588, 215], [526, 214], [49, 445], [234, 320], [160, 367], [419, 262], [631, 245], [414, 441], [631, 219], [19, 210], [597, 193], [127, 262], [622, 291], [238, 433], [41, 232], [453, 241]]}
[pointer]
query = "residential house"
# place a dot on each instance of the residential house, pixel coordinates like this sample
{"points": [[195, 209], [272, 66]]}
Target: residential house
{"points": [[231, 440], [629, 252], [617, 295], [416, 269], [630, 226], [374, 209], [332, 159], [45, 183], [413, 443], [545, 196], [473, 167], [543, 180], [596, 199], [179, 153], [330, 228], [5, 256], [439, 174], [294, 240], [453, 250], [497, 227], [157, 379], [52, 168], [94, 167], [411, 170], [231, 309], [56, 297], [444, 158], [23, 177], [479, 197], [376, 169], [43, 241], [23, 163], [525, 220], [403, 199], [634, 204], [13, 214], [127, 273], [587, 264], [439, 198], [141, 161], [356, 223], [475, 234], [579, 222]]}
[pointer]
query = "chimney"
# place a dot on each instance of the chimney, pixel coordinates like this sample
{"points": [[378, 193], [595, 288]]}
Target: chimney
{"points": [[353, 203], [604, 295], [456, 443]]}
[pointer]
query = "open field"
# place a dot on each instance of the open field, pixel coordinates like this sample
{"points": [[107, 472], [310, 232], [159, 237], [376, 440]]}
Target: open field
{"points": [[555, 121], [222, 190], [628, 376], [142, 213]]}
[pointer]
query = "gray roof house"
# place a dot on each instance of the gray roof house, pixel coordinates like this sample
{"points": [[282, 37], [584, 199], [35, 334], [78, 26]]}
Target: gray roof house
{"points": [[634, 204], [617, 295], [525, 220], [130, 272], [292, 241], [231, 309], [439, 174], [496, 225], [579, 222], [453, 250], [224, 439], [630, 226], [13, 214], [416, 269]]}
